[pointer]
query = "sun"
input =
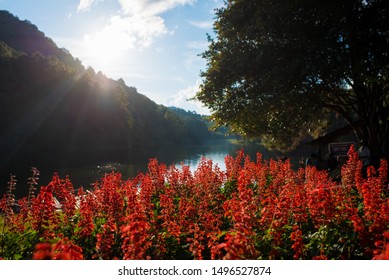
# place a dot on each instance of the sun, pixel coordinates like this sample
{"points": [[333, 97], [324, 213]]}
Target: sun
{"points": [[104, 50], [102, 55]]}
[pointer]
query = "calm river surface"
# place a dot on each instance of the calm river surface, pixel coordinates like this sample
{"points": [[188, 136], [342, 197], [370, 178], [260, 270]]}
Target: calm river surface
{"points": [[129, 162]]}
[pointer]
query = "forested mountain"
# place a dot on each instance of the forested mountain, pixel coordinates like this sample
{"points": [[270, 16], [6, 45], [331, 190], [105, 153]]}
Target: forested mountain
{"points": [[51, 104]]}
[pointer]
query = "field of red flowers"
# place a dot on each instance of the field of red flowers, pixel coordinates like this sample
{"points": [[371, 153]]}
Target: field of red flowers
{"points": [[253, 210]]}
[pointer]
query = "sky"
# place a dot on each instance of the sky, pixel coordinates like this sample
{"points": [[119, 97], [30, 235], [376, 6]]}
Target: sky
{"points": [[153, 45]]}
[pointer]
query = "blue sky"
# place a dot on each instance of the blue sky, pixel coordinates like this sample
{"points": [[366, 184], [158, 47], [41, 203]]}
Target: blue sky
{"points": [[152, 44]]}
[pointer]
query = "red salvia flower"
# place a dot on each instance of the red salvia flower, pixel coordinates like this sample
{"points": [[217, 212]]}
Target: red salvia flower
{"points": [[62, 250], [106, 240], [298, 245], [44, 219], [382, 251], [43, 251], [135, 235], [254, 209], [87, 212]]}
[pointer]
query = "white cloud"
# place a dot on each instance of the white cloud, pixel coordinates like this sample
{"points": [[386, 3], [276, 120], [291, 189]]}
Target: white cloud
{"points": [[137, 25], [202, 24], [150, 7], [198, 45], [123, 33], [192, 57], [193, 63], [182, 100], [139, 7], [85, 5]]}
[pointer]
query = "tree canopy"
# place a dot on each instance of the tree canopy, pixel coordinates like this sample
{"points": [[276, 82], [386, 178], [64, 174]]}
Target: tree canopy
{"points": [[277, 69]]}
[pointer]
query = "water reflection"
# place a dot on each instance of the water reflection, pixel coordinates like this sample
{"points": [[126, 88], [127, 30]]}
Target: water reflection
{"points": [[130, 163], [84, 169]]}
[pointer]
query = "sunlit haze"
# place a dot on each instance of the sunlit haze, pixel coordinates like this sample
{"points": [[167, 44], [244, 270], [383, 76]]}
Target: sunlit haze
{"points": [[154, 45]]}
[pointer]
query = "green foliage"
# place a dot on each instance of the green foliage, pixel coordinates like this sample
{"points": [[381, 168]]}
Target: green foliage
{"points": [[17, 245], [229, 188], [276, 69], [8, 52]]}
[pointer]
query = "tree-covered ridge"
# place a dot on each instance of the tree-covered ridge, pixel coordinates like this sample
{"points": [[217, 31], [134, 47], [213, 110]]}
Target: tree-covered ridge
{"points": [[26, 37], [50, 102]]}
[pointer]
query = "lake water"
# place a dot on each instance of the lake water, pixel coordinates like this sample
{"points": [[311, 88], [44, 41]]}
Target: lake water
{"points": [[129, 162]]}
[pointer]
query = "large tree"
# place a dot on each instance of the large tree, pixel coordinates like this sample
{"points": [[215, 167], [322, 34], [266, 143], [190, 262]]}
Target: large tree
{"points": [[277, 69]]}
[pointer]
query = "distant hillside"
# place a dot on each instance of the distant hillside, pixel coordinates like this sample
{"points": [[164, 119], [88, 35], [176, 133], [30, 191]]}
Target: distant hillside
{"points": [[201, 125], [52, 105]]}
